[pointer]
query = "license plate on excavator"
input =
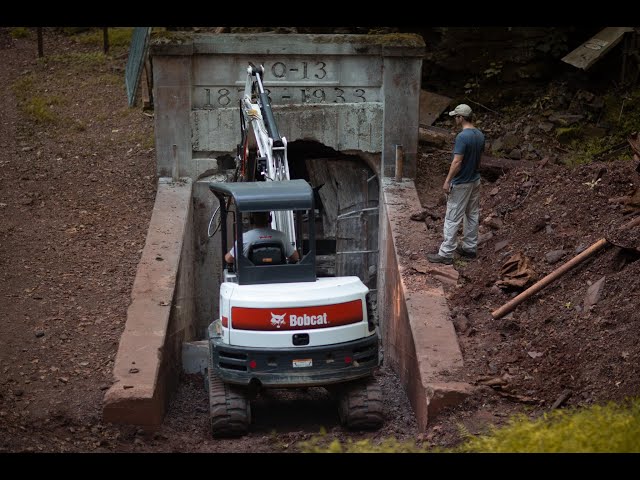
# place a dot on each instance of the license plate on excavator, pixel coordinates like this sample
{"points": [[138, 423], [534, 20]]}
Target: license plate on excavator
{"points": [[303, 362]]}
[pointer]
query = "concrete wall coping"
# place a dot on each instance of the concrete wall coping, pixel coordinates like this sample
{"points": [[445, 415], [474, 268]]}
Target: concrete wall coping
{"points": [[431, 369], [136, 395], [396, 44]]}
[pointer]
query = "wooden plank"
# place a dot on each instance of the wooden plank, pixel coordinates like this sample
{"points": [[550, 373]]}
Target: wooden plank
{"points": [[319, 175], [431, 106], [433, 137], [329, 197], [596, 47], [345, 187], [351, 184]]}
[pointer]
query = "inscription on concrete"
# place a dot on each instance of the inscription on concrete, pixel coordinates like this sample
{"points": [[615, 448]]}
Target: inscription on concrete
{"points": [[348, 92], [292, 81]]}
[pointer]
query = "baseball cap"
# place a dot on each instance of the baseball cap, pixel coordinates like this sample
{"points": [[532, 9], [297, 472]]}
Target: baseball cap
{"points": [[462, 109]]}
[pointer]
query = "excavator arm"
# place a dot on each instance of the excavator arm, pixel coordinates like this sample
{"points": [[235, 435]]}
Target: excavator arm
{"points": [[271, 163]]}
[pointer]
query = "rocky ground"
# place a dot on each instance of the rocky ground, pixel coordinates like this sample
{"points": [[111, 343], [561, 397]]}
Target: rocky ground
{"points": [[77, 185]]}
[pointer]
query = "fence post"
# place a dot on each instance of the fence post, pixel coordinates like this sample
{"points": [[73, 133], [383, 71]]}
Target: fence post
{"points": [[40, 45], [105, 39], [399, 162]]}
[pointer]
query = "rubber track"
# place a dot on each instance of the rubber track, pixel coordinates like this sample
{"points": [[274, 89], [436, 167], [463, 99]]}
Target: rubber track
{"points": [[229, 408], [360, 406]]}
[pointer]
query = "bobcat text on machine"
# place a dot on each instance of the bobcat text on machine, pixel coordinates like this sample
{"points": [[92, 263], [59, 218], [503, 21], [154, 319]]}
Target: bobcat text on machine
{"points": [[279, 325]]}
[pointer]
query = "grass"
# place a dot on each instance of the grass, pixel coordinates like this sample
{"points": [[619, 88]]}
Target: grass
{"points": [[587, 150], [118, 37], [38, 108], [20, 32], [610, 428], [78, 59], [323, 444], [149, 141]]}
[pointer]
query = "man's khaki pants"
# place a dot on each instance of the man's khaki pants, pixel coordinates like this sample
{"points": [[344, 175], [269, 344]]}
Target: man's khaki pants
{"points": [[463, 203]]}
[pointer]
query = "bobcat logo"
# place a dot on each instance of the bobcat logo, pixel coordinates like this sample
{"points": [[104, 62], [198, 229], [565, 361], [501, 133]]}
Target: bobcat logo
{"points": [[277, 320]]}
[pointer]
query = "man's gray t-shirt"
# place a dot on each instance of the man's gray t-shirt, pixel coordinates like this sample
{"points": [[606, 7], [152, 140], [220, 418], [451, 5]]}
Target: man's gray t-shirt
{"points": [[263, 234], [469, 144]]}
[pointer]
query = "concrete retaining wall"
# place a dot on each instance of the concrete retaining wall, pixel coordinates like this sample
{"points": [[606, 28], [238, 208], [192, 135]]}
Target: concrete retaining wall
{"points": [[159, 318], [208, 258], [419, 340]]}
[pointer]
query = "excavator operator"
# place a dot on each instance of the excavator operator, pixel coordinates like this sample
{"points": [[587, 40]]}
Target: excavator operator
{"points": [[262, 232]]}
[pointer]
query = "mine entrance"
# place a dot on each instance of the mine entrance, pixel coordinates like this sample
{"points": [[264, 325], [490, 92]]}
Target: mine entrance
{"points": [[346, 197]]}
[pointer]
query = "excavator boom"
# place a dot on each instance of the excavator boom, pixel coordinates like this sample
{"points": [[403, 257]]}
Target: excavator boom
{"points": [[272, 163]]}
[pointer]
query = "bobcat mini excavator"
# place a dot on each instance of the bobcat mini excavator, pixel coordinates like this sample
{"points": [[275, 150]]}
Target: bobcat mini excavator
{"points": [[279, 325]]}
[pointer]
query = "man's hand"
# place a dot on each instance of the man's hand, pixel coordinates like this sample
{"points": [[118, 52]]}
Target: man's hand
{"points": [[446, 186]]}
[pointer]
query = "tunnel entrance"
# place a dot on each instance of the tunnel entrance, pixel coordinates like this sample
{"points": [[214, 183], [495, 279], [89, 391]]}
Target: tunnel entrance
{"points": [[346, 192]]}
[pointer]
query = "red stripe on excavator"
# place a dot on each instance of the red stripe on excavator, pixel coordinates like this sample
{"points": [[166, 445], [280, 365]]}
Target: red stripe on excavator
{"points": [[297, 318]]}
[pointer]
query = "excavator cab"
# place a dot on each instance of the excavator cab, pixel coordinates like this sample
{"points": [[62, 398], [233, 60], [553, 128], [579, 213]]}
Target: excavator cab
{"points": [[266, 261]]}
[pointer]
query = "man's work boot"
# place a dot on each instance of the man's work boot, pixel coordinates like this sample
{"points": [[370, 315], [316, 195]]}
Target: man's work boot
{"points": [[465, 253], [436, 258]]}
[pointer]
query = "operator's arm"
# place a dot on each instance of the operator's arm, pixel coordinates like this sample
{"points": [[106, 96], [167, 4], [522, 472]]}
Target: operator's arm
{"points": [[295, 256], [455, 167], [228, 257]]}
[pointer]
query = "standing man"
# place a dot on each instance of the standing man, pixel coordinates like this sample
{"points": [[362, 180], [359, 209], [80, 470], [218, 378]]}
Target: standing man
{"points": [[462, 187]]}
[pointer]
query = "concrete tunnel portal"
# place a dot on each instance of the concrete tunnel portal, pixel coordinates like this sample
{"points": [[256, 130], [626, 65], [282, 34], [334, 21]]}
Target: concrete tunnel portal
{"points": [[343, 102]]}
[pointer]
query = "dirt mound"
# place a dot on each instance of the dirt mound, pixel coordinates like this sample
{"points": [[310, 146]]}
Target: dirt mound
{"points": [[566, 336], [577, 341]]}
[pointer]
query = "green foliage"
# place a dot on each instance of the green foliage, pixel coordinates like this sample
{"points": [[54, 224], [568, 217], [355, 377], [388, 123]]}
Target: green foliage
{"points": [[20, 32], [612, 428], [623, 112], [323, 444], [598, 429], [566, 134], [118, 37], [586, 151]]}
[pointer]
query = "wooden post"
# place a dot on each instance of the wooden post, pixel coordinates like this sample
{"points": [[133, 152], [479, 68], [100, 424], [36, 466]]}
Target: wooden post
{"points": [[40, 43], [146, 95], [105, 39], [175, 168], [399, 162], [147, 85]]}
